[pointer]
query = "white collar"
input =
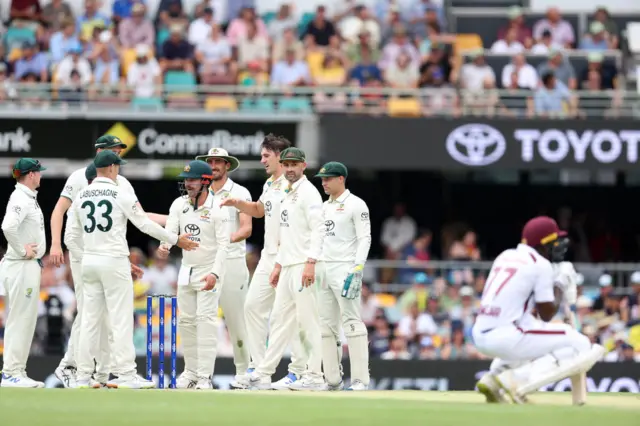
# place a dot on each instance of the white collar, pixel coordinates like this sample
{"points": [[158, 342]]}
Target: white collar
{"points": [[104, 180], [24, 188]]}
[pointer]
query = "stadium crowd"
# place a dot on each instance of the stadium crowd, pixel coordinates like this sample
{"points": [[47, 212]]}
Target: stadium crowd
{"points": [[127, 55], [411, 312]]}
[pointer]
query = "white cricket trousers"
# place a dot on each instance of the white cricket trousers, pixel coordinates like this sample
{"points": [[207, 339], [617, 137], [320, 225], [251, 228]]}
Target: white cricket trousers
{"points": [[335, 312], [232, 299], [198, 325], [295, 311], [103, 353], [257, 309], [529, 340], [21, 279], [107, 289]]}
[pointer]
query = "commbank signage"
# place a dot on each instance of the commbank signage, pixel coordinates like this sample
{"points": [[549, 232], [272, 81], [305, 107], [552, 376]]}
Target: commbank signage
{"points": [[415, 144], [73, 138]]}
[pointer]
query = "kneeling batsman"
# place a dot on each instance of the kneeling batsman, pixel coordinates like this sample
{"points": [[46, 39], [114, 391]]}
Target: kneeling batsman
{"points": [[530, 352]]}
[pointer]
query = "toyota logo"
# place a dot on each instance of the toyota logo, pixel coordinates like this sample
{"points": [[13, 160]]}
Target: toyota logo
{"points": [[329, 224], [268, 206], [476, 145], [192, 229], [284, 216]]}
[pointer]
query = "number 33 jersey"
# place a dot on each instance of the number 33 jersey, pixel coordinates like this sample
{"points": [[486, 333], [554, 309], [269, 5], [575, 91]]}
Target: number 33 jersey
{"points": [[100, 215], [519, 278]]}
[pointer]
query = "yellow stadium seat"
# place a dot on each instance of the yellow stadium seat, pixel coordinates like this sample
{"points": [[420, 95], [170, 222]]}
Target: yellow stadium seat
{"points": [[467, 42], [408, 107], [385, 300], [221, 103]]}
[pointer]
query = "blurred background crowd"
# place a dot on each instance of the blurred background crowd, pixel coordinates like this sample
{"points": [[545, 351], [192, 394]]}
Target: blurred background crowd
{"points": [[423, 310], [122, 51]]}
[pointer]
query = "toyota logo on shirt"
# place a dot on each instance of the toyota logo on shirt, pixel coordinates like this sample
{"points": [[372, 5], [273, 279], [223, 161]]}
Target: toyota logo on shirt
{"points": [[329, 224], [192, 229], [284, 216], [476, 145]]}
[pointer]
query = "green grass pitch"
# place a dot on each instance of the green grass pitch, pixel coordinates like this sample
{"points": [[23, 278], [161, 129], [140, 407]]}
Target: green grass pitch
{"points": [[60, 407]]}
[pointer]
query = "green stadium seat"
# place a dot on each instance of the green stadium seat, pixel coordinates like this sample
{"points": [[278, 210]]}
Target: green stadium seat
{"points": [[161, 37], [179, 82], [147, 103], [268, 17], [15, 37], [304, 22], [257, 105], [294, 105]]}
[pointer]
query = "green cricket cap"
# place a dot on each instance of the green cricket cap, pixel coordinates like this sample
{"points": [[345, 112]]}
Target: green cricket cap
{"points": [[26, 165], [293, 154], [197, 169], [91, 172], [333, 169], [106, 159], [109, 141]]}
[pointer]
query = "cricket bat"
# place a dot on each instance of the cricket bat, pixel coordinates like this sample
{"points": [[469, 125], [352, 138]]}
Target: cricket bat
{"points": [[579, 381]]}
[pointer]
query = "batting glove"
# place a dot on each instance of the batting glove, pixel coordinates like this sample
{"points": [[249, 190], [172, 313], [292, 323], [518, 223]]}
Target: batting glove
{"points": [[353, 283]]}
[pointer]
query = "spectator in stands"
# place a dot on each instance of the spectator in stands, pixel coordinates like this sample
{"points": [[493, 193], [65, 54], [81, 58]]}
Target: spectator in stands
{"points": [[170, 13], [465, 248], [606, 289], [561, 69], [31, 62], [7, 89], [354, 51], [361, 21], [136, 29], [73, 61], [516, 21], [417, 294], [200, 28], [393, 21], [283, 21], [55, 14], [177, 53], [320, 29], [370, 306], [399, 44], [478, 81], [74, 90], [343, 10], [332, 74], [239, 27], [288, 40], [144, 75], [290, 71], [634, 283], [508, 45], [545, 45], [30, 91], [436, 61], [425, 12], [163, 276], [403, 73], [527, 77], [457, 347], [90, 19], [607, 73], [121, 9], [365, 68], [465, 308], [397, 350], [380, 338], [335, 49], [219, 10], [597, 40], [25, 13], [602, 15], [553, 98], [214, 56], [562, 32], [107, 60], [62, 41], [253, 50], [414, 325], [414, 254], [398, 231]]}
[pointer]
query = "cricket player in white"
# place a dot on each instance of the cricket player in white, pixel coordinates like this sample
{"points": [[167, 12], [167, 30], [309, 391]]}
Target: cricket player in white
{"points": [[345, 250], [202, 272], [236, 280], [102, 211], [295, 308], [20, 272], [530, 352], [261, 294], [66, 371]]}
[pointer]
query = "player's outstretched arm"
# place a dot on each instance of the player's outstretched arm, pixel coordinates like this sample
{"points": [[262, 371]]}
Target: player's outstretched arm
{"points": [[160, 219], [56, 256], [252, 208]]}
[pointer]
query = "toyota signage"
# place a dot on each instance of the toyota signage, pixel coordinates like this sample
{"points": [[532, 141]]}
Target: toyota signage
{"points": [[445, 144]]}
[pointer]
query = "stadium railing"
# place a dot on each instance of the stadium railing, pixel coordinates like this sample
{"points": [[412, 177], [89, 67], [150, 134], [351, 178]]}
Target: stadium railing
{"points": [[444, 101]]}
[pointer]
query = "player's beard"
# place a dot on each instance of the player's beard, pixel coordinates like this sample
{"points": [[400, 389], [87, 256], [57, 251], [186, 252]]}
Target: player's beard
{"points": [[293, 176]]}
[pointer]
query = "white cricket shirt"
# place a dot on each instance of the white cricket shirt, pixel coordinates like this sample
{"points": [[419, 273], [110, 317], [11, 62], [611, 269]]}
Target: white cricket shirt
{"points": [[519, 278], [101, 212], [209, 226], [272, 194], [233, 190], [23, 224], [301, 224], [347, 236]]}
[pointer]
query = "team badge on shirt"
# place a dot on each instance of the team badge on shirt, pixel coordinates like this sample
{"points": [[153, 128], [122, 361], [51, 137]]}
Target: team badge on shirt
{"points": [[340, 207], [205, 216]]}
